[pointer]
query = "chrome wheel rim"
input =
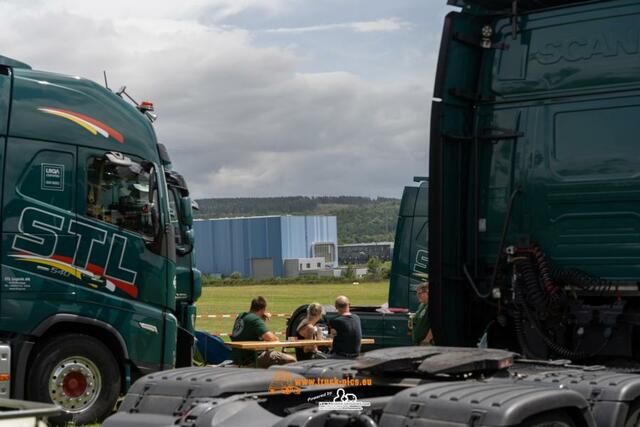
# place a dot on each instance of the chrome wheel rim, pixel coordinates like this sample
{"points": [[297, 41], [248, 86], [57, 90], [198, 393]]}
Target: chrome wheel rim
{"points": [[75, 384]]}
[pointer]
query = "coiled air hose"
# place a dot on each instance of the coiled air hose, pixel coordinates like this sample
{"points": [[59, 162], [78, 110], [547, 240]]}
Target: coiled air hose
{"points": [[527, 289], [545, 272], [582, 280]]}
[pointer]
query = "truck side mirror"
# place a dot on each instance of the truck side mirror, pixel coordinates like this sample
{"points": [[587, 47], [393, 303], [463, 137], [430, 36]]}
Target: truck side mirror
{"points": [[190, 237], [153, 202], [186, 214], [152, 184], [188, 243]]}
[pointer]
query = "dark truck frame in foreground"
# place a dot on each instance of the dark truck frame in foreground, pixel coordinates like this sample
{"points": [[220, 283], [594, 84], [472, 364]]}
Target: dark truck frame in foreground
{"points": [[533, 246], [410, 386]]}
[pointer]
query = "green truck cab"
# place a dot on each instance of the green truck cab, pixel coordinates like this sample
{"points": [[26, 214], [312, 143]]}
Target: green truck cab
{"points": [[533, 164], [88, 286], [410, 260]]}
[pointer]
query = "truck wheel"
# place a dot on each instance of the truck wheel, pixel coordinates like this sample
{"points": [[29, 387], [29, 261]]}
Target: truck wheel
{"points": [[295, 319], [78, 373], [549, 419]]}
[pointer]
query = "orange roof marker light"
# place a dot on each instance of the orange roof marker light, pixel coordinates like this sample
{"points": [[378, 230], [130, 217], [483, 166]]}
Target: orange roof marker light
{"points": [[145, 106]]}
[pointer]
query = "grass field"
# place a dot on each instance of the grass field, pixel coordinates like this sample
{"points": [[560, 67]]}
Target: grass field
{"points": [[231, 300]]}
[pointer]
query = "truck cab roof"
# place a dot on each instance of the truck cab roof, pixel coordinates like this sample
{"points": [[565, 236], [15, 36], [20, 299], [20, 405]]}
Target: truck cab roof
{"points": [[522, 5], [71, 110]]}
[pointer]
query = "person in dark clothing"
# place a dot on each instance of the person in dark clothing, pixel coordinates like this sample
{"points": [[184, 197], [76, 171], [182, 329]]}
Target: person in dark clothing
{"points": [[346, 331], [421, 331], [250, 326]]}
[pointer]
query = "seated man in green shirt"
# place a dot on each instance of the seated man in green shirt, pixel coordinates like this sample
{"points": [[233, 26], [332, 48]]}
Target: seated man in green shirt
{"points": [[421, 332], [250, 326]]}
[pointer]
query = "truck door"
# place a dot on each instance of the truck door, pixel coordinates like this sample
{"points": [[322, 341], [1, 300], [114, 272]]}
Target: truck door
{"points": [[38, 244], [5, 96], [117, 210]]}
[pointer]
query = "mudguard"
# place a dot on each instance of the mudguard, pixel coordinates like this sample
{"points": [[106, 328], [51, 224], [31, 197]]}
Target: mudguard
{"points": [[231, 412], [312, 417], [463, 403], [234, 411], [610, 394], [164, 398]]}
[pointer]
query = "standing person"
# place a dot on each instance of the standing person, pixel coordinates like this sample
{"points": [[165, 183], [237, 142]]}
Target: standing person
{"points": [[308, 330], [250, 326], [346, 331], [421, 332]]}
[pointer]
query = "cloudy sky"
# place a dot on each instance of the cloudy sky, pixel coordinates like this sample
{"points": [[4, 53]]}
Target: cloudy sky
{"points": [[257, 97]]}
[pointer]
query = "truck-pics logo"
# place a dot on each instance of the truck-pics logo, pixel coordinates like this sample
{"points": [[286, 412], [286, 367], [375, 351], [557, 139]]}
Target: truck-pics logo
{"points": [[39, 240], [92, 125], [344, 401]]}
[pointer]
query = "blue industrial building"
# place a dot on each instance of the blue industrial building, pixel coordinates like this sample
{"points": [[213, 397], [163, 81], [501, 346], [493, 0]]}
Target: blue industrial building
{"points": [[263, 247]]}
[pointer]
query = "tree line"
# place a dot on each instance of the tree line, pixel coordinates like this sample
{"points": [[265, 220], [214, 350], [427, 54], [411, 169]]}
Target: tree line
{"points": [[360, 219]]}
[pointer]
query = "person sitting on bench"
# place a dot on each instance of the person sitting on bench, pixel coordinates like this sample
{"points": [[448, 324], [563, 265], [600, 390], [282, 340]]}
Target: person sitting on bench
{"points": [[308, 330], [250, 326], [346, 331]]}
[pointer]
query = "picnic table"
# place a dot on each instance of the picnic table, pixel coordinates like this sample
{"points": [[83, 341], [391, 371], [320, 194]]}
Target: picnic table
{"points": [[266, 345]]}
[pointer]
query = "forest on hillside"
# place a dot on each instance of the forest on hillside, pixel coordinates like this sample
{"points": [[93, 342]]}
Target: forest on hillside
{"points": [[360, 219]]}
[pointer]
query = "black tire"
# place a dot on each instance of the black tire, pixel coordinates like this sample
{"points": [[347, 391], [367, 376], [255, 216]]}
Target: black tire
{"points": [[77, 372], [295, 319], [549, 419], [299, 314], [292, 327]]}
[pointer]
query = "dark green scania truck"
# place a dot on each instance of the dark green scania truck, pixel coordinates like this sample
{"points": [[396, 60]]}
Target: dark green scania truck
{"points": [[534, 220], [533, 232], [88, 292]]}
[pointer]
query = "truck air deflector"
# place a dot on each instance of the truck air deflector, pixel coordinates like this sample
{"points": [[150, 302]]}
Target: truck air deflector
{"points": [[9, 62]]}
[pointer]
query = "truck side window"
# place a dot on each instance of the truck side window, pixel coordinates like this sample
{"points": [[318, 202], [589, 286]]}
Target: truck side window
{"points": [[120, 195]]}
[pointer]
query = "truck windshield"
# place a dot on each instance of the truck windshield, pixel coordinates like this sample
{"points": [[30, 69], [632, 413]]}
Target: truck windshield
{"points": [[120, 195]]}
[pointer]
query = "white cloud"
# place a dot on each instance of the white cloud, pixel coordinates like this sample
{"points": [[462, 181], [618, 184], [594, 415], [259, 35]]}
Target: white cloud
{"points": [[152, 9], [380, 25], [238, 119], [390, 24]]}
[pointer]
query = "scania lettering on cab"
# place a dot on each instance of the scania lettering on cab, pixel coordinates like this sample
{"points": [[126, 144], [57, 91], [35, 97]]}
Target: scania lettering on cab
{"points": [[88, 280]]}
